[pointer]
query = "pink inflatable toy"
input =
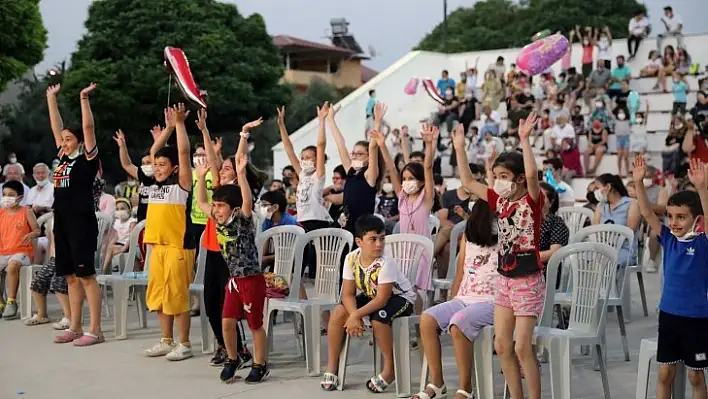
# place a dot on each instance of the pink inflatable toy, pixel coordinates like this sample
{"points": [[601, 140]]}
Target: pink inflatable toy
{"points": [[542, 54], [411, 87], [432, 91]]}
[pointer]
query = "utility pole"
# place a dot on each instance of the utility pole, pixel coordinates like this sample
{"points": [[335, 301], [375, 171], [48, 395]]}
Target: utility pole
{"points": [[444, 34]]}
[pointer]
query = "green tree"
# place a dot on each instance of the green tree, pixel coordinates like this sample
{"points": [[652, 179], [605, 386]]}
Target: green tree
{"points": [[23, 38], [231, 57], [498, 24]]}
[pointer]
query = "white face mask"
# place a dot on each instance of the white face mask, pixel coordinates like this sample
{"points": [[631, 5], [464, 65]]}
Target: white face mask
{"points": [[640, 120], [147, 170], [503, 188], [410, 186], [307, 166], [42, 183], [12, 159], [647, 182], [599, 196], [679, 125], [75, 154], [122, 214], [599, 104], [357, 164], [690, 235], [387, 188], [621, 117], [265, 212], [7, 201]]}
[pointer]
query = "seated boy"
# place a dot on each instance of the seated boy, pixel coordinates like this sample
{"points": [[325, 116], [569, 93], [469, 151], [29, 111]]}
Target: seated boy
{"points": [[683, 310], [18, 227], [384, 294], [232, 210]]}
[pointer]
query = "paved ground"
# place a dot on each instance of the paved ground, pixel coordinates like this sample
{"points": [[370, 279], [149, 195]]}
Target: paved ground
{"points": [[32, 367]]}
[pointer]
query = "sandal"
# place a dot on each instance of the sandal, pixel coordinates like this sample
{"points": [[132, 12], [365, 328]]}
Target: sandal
{"points": [[67, 336], [377, 384], [35, 320], [329, 382], [464, 394], [438, 392], [89, 339]]}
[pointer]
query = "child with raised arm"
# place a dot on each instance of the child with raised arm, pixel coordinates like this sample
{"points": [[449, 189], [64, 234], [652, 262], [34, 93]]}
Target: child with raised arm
{"points": [[516, 199], [683, 309], [232, 210]]}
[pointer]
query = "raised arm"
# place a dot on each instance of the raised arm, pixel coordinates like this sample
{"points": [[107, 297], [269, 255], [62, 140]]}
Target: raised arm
{"points": [[161, 140], [287, 144], [405, 150], [321, 140], [183, 148], [202, 201], [379, 113], [430, 137], [245, 134], [372, 172], [645, 208], [388, 161], [698, 175], [688, 145], [213, 159], [344, 156], [472, 185], [246, 194], [125, 161], [530, 167], [87, 118], [54, 116]]}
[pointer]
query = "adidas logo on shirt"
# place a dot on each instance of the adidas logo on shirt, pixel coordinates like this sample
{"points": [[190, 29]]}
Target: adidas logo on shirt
{"points": [[690, 251]]}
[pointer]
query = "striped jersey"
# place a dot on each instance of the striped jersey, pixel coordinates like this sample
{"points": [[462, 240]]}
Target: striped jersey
{"points": [[168, 219]]}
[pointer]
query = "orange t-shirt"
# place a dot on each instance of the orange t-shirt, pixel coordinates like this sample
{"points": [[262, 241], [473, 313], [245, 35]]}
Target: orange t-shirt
{"points": [[210, 241], [13, 229]]}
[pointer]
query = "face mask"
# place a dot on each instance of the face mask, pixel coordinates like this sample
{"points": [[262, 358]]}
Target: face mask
{"points": [[599, 196], [122, 214], [265, 212], [448, 95], [690, 235], [357, 164], [147, 170], [527, 91], [470, 205], [463, 78], [679, 125], [307, 166], [599, 105], [410, 186], [387, 188], [75, 154], [640, 120], [590, 196], [503, 188], [621, 117], [12, 159], [647, 182], [231, 218], [7, 202], [42, 183]]}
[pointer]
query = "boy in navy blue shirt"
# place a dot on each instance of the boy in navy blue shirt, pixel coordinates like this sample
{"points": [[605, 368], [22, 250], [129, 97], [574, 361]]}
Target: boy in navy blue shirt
{"points": [[683, 310]]}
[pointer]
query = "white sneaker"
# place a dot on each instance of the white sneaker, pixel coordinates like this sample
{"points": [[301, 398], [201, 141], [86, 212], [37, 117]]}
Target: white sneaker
{"points": [[650, 266], [62, 324], [161, 348], [180, 352]]}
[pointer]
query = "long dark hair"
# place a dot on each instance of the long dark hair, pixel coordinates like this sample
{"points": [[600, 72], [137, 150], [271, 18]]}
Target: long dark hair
{"points": [[615, 183], [255, 177], [551, 197], [416, 170], [479, 225], [382, 165]]}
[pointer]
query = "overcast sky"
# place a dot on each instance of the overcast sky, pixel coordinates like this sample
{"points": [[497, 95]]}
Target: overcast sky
{"points": [[392, 27]]}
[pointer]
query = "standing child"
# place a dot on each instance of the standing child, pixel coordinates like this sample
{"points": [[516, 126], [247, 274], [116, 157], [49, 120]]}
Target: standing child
{"points": [[683, 310], [588, 43], [415, 189], [623, 131], [516, 199], [232, 209], [639, 141], [18, 227], [680, 90]]}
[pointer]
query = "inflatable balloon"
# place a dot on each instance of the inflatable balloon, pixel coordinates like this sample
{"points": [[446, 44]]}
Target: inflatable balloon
{"points": [[552, 181], [541, 54], [432, 91], [540, 35], [411, 87], [177, 62]]}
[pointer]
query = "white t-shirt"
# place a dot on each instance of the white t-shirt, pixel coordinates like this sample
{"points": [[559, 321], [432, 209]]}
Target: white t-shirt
{"points": [[123, 229], [604, 49], [560, 133], [383, 270], [309, 202], [653, 63], [41, 197], [566, 198], [638, 27], [672, 23], [493, 116]]}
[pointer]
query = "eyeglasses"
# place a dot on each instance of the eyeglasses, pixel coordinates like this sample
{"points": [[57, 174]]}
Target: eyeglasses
{"points": [[359, 154]]}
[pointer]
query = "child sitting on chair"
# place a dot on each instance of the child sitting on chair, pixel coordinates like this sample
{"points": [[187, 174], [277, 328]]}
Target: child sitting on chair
{"points": [[119, 240], [384, 294]]}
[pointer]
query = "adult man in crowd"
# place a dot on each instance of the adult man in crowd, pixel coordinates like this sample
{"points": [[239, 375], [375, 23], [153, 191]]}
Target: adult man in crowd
{"points": [[14, 172], [41, 196], [444, 82], [674, 25], [598, 79], [620, 73]]}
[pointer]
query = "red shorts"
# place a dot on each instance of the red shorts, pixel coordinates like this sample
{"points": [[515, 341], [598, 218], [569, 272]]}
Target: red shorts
{"points": [[245, 295]]}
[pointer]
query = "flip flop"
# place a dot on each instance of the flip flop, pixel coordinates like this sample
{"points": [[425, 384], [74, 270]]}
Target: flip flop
{"points": [[377, 384], [89, 339]]}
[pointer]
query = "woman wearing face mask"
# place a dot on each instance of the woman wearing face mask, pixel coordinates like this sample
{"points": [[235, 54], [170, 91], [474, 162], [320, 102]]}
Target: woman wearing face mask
{"points": [[588, 43], [616, 207], [120, 234], [415, 190], [492, 89], [388, 205], [75, 224], [310, 169], [597, 146]]}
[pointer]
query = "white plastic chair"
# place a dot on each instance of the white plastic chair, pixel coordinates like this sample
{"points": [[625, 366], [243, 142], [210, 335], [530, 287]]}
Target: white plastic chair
{"points": [[434, 224], [407, 250], [284, 241], [27, 274], [105, 223], [574, 217], [446, 283], [647, 351], [614, 236], [329, 246], [637, 270]]}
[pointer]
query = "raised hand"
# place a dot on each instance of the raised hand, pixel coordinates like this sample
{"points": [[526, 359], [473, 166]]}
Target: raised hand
{"points": [[458, 137], [429, 133], [697, 173], [250, 125], [156, 131], [323, 111], [201, 119], [639, 170], [52, 90], [119, 138], [333, 112], [377, 137], [526, 126], [170, 117], [379, 111], [202, 166], [281, 115], [491, 159], [241, 163], [180, 112], [86, 91], [218, 144]]}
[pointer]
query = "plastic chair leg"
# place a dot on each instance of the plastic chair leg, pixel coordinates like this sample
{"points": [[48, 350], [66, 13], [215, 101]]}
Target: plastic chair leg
{"points": [[424, 374], [642, 293], [483, 348], [120, 308], [559, 354], [603, 371], [402, 357], [311, 334], [207, 334], [623, 332], [25, 293], [647, 350], [342, 369]]}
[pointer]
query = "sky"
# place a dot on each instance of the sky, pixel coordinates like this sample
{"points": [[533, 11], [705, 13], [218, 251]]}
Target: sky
{"points": [[392, 27]]}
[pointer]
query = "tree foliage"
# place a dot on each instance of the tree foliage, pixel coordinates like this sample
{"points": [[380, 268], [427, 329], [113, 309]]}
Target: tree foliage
{"points": [[231, 57], [23, 38], [498, 24]]}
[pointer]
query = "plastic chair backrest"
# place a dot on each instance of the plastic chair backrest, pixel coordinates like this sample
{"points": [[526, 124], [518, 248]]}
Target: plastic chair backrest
{"points": [[407, 250], [329, 246], [574, 217], [134, 247], [105, 223], [201, 262], [42, 220], [434, 223], [455, 236], [380, 216], [285, 241], [397, 228], [591, 265]]}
